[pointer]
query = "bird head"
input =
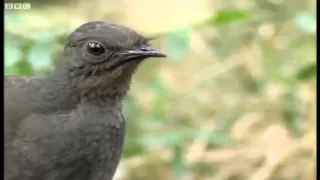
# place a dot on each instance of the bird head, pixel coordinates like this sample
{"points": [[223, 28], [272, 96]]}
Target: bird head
{"points": [[99, 53]]}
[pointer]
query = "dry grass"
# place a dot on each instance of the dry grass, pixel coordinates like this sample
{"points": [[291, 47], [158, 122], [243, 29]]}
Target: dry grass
{"points": [[268, 150]]}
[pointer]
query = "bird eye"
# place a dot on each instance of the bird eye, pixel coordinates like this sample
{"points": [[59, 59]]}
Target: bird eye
{"points": [[95, 48]]}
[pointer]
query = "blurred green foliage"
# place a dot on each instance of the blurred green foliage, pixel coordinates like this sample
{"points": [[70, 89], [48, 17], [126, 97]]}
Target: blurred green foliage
{"points": [[36, 55]]}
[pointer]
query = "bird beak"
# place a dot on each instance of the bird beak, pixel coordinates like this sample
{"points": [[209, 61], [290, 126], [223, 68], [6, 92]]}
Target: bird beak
{"points": [[144, 51]]}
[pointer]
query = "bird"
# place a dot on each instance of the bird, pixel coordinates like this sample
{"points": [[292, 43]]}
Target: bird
{"points": [[69, 125]]}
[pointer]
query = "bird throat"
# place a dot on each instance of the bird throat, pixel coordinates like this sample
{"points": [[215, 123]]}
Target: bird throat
{"points": [[101, 88], [98, 88]]}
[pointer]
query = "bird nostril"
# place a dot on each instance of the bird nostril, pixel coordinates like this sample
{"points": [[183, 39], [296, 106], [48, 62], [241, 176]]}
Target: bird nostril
{"points": [[145, 49]]}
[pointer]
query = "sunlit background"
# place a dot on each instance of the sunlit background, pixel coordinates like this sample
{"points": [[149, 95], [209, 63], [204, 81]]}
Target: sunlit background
{"points": [[235, 100]]}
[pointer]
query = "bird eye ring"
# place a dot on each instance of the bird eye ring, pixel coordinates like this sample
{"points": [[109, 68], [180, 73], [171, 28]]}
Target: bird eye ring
{"points": [[95, 48]]}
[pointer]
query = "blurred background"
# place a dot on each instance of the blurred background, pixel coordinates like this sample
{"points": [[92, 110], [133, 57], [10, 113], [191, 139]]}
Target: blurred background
{"points": [[235, 99]]}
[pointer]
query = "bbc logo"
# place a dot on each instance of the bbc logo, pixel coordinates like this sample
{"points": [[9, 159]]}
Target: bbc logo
{"points": [[17, 6]]}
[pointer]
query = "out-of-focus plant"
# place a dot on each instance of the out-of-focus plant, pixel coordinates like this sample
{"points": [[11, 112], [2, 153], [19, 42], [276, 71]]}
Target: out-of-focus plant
{"points": [[235, 29]]}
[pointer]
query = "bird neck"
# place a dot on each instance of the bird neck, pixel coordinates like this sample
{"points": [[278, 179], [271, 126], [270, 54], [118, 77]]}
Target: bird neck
{"points": [[95, 90], [99, 90]]}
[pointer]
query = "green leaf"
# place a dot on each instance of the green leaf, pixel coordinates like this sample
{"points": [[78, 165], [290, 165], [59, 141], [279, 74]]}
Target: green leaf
{"points": [[306, 22], [307, 72], [226, 123], [168, 139], [61, 35], [130, 107], [229, 16], [178, 43], [157, 84], [178, 163], [25, 68], [22, 68], [43, 37], [11, 70], [215, 138], [292, 111], [40, 57], [132, 149], [160, 100], [12, 53]]}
